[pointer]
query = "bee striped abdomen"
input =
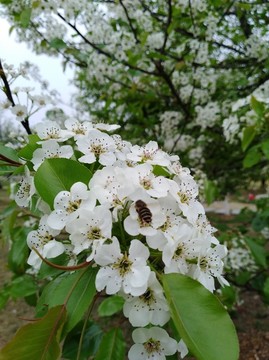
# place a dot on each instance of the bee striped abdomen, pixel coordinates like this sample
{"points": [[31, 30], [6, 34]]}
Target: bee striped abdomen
{"points": [[144, 214]]}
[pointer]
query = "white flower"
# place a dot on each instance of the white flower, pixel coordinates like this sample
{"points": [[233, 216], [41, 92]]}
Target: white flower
{"points": [[210, 265], [97, 146], [151, 344], [51, 149], [185, 194], [149, 153], [121, 271], [49, 130], [182, 248], [43, 240], [91, 230], [20, 111], [68, 205], [145, 216], [77, 128], [150, 307], [143, 178], [106, 127], [26, 190], [182, 349]]}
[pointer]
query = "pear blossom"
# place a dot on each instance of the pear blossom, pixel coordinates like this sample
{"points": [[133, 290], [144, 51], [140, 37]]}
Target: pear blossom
{"points": [[129, 273], [20, 111], [152, 343], [77, 128], [97, 146], [209, 265], [134, 224], [90, 230], [151, 154], [148, 308], [43, 240], [48, 130], [26, 190], [68, 205], [51, 149]]}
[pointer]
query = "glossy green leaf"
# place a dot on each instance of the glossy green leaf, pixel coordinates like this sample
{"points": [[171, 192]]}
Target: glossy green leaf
{"points": [[27, 151], [56, 175], [110, 305], [257, 251], [248, 136], [112, 346], [200, 319], [9, 153], [77, 290], [37, 340], [90, 343]]}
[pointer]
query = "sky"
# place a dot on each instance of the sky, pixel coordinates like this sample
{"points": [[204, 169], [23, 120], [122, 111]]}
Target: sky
{"points": [[13, 52]]}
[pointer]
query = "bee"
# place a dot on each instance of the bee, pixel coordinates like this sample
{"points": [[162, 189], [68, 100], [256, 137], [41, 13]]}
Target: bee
{"points": [[143, 211]]}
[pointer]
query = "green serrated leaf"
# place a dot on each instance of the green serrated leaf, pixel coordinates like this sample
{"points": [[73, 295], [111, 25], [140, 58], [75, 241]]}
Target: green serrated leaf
{"points": [[112, 346], [38, 340], [56, 175], [77, 290], [110, 305], [211, 191], [200, 319], [9, 153], [248, 136]]}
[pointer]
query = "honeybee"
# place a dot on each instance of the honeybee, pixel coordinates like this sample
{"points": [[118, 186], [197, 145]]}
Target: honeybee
{"points": [[143, 211]]}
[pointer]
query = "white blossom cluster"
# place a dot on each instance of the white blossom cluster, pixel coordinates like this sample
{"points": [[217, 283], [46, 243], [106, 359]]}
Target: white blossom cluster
{"points": [[26, 103], [239, 257], [138, 216]]}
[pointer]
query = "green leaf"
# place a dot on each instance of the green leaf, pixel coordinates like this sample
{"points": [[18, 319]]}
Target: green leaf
{"points": [[110, 306], [38, 340], [252, 158], [22, 286], [77, 290], [25, 17], [257, 251], [90, 343], [265, 148], [248, 136], [160, 171], [27, 151], [19, 252], [211, 191], [257, 106], [57, 43], [112, 346], [9, 153], [200, 319], [56, 175]]}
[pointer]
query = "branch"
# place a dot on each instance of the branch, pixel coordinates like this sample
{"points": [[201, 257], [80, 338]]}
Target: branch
{"points": [[130, 22], [102, 51], [168, 22], [7, 91]]}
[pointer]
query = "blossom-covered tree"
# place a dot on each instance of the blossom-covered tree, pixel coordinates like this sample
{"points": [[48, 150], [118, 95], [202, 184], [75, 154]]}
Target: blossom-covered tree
{"points": [[169, 69]]}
